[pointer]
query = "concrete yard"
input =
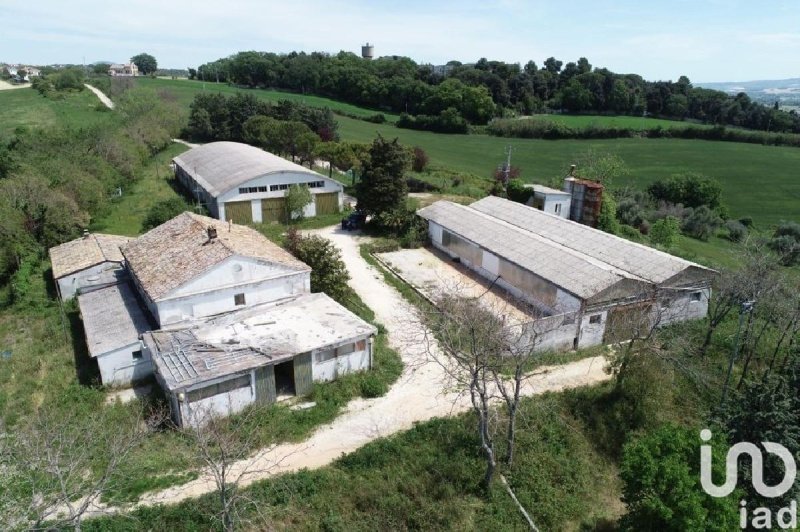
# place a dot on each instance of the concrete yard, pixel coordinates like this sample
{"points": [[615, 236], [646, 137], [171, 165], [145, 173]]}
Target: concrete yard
{"points": [[431, 273]]}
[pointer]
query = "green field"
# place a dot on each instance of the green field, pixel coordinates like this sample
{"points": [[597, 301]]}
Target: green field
{"points": [[28, 108], [630, 122], [185, 90]]}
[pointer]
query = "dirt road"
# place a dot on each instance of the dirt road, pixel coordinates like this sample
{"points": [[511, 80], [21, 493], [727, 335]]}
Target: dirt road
{"points": [[4, 85], [418, 395], [100, 94]]}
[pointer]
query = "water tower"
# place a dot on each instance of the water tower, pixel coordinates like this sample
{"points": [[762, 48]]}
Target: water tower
{"points": [[367, 51]]}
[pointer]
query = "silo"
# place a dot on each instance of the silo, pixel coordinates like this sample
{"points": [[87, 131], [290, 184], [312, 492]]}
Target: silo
{"points": [[367, 51]]}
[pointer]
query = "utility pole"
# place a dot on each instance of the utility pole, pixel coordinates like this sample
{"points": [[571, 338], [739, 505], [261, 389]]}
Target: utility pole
{"points": [[746, 308], [507, 169]]}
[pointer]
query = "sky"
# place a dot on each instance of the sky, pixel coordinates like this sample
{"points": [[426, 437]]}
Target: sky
{"points": [[706, 40]]}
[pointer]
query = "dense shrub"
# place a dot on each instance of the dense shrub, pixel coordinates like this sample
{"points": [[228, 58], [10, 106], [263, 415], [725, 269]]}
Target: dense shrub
{"points": [[701, 223], [328, 272], [786, 242], [631, 233], [448, 121], [517, 191], [162, 211], [607, 219], [665, 231], [690, 190], [419, 159], [736, 230]]}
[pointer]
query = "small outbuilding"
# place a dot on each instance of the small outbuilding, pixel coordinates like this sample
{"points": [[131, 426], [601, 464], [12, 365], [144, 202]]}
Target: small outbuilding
{"points": [[113, 320], [550, 200], [244, 184], [90, 261], [257, 355]]}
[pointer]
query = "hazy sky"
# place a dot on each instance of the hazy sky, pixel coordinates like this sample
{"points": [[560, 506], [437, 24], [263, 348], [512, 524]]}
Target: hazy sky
{"points": [[708, 40]]}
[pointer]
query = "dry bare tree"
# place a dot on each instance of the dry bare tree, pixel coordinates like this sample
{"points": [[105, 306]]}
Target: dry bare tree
{"points": [[55, 468], [228, 447]]}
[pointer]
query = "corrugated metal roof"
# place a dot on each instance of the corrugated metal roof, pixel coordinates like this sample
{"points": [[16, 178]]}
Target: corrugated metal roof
{"points": [[85, 252], [636, 259], [179, 250], [221, 166], [574, 272], [112, 318], [253, 337]]}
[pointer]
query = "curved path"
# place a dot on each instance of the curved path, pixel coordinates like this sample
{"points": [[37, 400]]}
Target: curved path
{"points": [[100, 94], [419, 394]]}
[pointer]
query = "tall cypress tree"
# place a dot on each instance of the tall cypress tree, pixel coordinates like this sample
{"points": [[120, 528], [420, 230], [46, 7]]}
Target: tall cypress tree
{"points": [[382, 187]]}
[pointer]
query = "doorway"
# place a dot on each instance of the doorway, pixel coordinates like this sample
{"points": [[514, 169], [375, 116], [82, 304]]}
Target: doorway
{"points": [[284, 378]]}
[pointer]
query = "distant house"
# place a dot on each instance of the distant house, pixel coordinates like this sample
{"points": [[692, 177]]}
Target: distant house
{"points": [[257, 355], [113, 321], [550, 200], [126, 69], [90, 261], [30, 72], [244, 184], [589, 287]]}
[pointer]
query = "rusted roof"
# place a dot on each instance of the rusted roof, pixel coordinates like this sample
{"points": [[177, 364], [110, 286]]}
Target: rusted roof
{"points": [[179, 250], [85, 252]]}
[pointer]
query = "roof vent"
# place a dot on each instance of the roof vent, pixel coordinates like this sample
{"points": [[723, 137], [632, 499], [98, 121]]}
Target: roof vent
{"points": [[212, 233]]}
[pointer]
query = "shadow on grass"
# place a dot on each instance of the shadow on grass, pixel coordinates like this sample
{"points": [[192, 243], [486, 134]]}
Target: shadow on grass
{"points": [[85, 366]]}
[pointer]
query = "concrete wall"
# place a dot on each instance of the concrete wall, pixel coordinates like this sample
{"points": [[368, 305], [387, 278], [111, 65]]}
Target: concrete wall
{"points": [[224, 404], [682, 305], [552, 201], [98, 275], [118, 368], [326, 366], [591, 334]]}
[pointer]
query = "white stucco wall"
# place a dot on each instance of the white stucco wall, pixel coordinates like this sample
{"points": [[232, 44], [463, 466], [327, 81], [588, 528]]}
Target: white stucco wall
{"points": [[552, 200], [336, 366], [682, 306], [98, 275], [592, 333], [224, 404], [118, 368], [210, 301]]}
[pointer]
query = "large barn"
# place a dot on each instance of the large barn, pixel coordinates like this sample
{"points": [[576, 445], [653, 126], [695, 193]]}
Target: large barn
{"points": [[593, 287], [244, 184]]}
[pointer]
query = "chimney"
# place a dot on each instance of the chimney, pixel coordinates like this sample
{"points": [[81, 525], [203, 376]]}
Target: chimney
{"points": [[212, 233], [85, 233], [572, 169]]}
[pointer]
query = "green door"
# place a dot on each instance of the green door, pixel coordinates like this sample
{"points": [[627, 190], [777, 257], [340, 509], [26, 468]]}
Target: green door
{"points": [[327, 203], [238, 212], [302, 374], [273, 210], [265, 385]]}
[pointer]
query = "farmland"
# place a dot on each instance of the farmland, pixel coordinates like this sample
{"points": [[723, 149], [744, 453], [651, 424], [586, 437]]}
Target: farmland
{"points": [[774, 197], [628, 122]]}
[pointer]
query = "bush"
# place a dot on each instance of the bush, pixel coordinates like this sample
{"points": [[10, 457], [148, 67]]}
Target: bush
{"points": [[163, 211], [736, 230], [607, 219], [629, 232], [690, 190], [297, 197], [701, 223], [786, 242], [448, 121], [419, 159], [328, 272], [517, 191], [372, 386], [665, 231], [747, 221]]}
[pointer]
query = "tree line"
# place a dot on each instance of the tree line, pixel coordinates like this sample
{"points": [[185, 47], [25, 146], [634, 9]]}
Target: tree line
{"points": [[488, 89]]}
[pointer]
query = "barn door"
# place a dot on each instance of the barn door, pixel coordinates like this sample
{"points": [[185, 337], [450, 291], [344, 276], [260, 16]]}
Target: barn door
{"points": [[238, 212], [265, 385], [302, 374], [327, 203], [273, 210]]}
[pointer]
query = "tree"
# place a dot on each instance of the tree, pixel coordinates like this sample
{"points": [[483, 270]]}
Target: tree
{"points": [[607, 219], [328, 272], [419, 160], [22, 73], [297, 197], [383, 186], [163, 211], [665, 231], [517, 191], [786, 242], [100, 68], [146, 63], [701, 223], [661, 484]]}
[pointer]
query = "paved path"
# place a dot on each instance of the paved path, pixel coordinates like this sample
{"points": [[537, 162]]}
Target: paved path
{"points": [[100, 94], [418, 395]]}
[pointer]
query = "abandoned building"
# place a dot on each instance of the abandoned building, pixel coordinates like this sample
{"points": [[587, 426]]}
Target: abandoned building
{"points": [[90, 261], [223, 364], [244, 184], [588, 287], [550, 200], [194, 266]]}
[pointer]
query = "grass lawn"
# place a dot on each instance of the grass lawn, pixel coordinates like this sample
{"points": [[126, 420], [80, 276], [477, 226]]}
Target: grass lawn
{"points": [[185, 89], [27, 108], [622, 121]]}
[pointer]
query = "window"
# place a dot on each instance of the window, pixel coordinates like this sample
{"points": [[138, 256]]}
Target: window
{"points": [[324, 356], [273, 188], [218, 388], [697, 296], [558, 208], [263, 189], [361, 345], [345, 350], [242, 190], [316, 184], [252, 190], [597, 318], [238, 299], [137, 355]]}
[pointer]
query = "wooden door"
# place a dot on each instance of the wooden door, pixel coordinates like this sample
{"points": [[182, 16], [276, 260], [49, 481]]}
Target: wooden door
{"points": [[238, 212], [303, 382], [273, 210], [265, 385], [327, 203]]}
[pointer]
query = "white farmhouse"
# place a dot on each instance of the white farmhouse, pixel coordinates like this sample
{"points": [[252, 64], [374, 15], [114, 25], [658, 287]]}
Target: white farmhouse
{"points": [[195, 266], [550, 200], [90, 261], [590, 287], [221, 365], [113, 320], [244, 184]]}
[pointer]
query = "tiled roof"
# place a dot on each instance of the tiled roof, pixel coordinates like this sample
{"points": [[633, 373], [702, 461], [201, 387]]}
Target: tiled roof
{"points": [[179, 250], [85, 252]]}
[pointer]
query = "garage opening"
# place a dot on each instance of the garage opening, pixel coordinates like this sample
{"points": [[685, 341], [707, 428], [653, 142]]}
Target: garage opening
{"points": [[273, 210], [284, 378], [327, 203], [238, 212]]}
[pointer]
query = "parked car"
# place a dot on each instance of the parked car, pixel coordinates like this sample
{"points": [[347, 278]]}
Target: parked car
{"points": [[354, 221]]}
